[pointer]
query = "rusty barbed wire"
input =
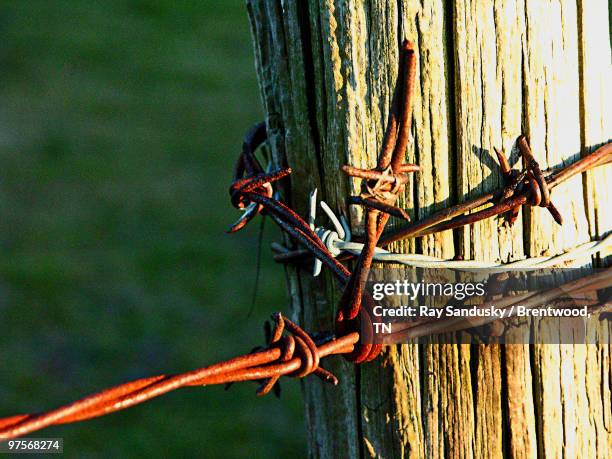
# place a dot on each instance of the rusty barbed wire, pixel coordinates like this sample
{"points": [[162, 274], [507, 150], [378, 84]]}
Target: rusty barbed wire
{"points": [[520, 188], [379, 195], [526, 189], [291, 351], [294, 355]]}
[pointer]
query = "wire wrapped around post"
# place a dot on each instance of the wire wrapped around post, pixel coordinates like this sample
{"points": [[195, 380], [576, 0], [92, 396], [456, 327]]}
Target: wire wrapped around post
{"points": [[291, 351]]}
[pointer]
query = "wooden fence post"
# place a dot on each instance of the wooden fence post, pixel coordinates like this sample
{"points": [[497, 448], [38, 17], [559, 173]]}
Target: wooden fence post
{"points": [[487, 71]]}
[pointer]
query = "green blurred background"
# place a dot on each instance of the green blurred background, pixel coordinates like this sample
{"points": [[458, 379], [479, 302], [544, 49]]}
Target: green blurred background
{"points": [[120, 122]]}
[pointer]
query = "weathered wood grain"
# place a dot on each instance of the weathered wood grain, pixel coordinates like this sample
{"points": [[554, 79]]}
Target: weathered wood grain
{"points": [[595, 103], [486, 72], [521, 421]]}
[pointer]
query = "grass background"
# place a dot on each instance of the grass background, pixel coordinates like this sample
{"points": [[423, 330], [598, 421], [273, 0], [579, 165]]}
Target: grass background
{"points": [[120, 122]]}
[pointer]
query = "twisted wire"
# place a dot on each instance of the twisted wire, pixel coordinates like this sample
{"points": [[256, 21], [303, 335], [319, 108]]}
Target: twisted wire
{"points": [[270, 364], [579, 252], [297, 354]]}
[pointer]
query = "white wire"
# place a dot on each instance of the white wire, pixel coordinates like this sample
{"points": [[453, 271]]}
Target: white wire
{"points": [[423, 261], [337, 243]]}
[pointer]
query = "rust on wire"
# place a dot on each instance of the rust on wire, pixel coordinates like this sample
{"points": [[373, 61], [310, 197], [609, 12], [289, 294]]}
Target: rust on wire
{"points": [[380, 189], [277, 360], [530, 190], [290, 350]]}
